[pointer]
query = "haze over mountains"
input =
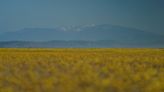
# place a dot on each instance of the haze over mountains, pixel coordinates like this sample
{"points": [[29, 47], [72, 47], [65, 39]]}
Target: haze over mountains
{"points": [[81, 36]]}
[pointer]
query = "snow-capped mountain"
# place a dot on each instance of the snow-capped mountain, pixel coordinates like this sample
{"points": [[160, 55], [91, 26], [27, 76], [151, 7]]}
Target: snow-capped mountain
{"points": [[110, 34]]}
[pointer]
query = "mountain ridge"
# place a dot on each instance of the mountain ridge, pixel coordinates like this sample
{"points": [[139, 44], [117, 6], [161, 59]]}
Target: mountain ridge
{"points": [[108, 34]]}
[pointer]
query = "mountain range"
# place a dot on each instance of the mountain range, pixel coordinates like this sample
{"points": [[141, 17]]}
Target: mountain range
{"points": [[82, 36]]}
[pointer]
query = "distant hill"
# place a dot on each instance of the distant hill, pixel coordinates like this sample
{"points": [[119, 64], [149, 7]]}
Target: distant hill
{"points": [[74, 44], [81, 36]]}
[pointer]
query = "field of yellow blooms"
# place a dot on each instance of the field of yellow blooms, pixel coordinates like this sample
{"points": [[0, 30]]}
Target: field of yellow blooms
{"points": [[82, 70]]}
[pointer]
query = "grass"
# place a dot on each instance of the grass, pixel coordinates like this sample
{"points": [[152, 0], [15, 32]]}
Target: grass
{"points": [[81, 70]]}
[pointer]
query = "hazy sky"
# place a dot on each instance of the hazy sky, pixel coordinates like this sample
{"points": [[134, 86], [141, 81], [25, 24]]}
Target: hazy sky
{"points": [[142, 14]]}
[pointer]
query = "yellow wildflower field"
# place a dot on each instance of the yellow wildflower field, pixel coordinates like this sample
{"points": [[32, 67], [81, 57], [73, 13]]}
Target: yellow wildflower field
{"points": [[82, 70]]}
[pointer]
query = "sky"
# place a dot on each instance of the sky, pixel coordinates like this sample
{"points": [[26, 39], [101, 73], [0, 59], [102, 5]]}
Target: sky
{"points": [[146, 15]]}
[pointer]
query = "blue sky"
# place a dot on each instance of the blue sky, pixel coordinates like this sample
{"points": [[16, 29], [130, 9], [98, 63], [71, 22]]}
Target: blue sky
{"points": [[141, 14]]}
